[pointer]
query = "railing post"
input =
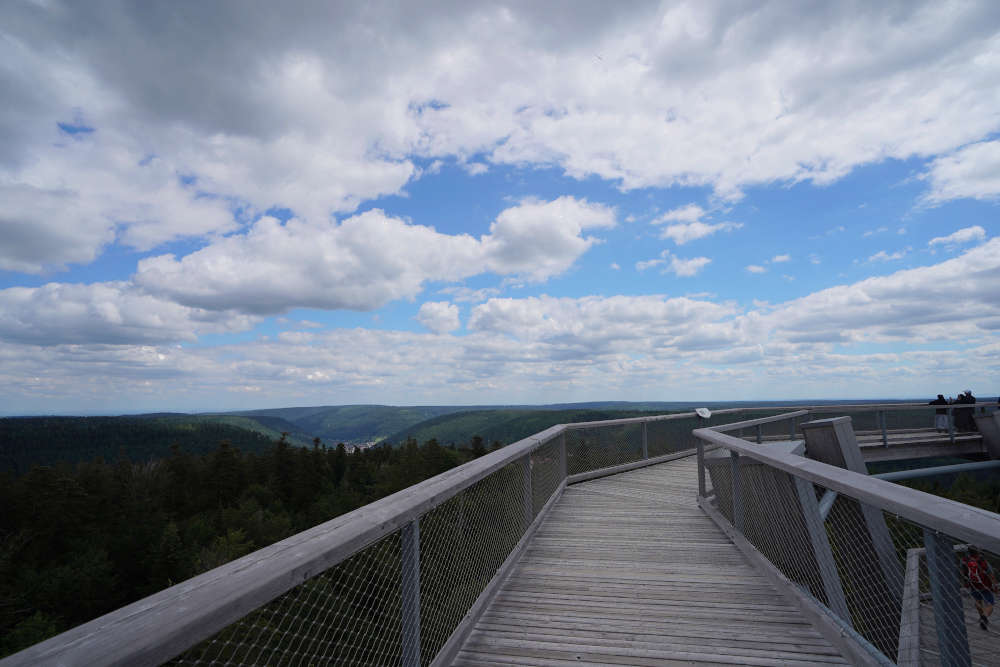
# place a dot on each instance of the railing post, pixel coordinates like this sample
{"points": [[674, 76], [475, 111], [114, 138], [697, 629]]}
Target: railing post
{"points": [[410, 584], [822, 550], [791, 428], [951, 425], [734, 467], [882, 422], [529, 511], [949, 618], [562, 454], [701, 468], [760, 433], [645, 441]]}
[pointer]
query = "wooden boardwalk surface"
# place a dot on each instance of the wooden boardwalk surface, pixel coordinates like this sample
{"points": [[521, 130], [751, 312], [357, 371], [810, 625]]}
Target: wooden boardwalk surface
{"points": [[627, 570]]}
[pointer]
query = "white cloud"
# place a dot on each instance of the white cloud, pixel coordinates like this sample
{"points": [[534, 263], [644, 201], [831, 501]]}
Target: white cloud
{"points": [[688, 267], [683, 233], [952, 300], [965, 235], [537, 240], [872, 232], [687, 213], [707, 95], [475, 168], [650, 263], [439, 316], [777, 259], [883, 256], [756, 268], [531, 349], [615, 267], [115, 313], [465, 294], [369, 259], [682, 267], [972, 171]]}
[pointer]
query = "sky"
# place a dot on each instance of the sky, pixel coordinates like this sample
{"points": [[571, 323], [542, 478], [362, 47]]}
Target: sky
{"points": [[220, 206]]}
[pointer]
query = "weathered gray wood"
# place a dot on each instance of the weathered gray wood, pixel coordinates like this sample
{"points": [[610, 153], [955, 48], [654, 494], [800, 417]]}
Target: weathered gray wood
{"points": [[908, 654], [949, 617], [163, 625], [860, 535], [410, 593], [821, 549], [625, 467], [735, 426], [450, 649], [989, 426], [853, 645], [736, 492], [948, 516], [628, 570]]}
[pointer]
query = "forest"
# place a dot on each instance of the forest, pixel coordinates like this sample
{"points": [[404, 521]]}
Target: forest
{"points": [[80, 540]]}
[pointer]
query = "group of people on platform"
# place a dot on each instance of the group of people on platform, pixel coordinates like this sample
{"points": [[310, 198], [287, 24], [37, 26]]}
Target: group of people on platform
{"points": [[964, 420]]}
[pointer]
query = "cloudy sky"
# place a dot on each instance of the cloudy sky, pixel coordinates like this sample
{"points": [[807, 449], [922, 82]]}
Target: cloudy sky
{"points": [[221, 205]]}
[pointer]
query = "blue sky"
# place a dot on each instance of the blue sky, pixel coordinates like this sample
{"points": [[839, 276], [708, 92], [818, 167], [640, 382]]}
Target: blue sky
{"points": [[212, 208]]}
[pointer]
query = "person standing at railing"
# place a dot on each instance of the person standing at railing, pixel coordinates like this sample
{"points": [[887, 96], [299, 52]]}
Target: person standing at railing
{"points": [[941, 414], [963, 416], [978, 576]]}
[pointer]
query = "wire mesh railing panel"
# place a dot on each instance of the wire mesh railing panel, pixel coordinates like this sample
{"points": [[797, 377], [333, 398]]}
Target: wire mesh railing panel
{"points": [[774, 507], [718, 471], [955, 583], [912, 418], [546, 473], [463, 542], [347, 615], [871, 571], [597, 447], [667, 436]]}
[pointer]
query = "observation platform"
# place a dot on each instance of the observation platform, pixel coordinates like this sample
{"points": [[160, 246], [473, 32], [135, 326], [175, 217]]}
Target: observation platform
{"points": [[628, 570], [654, 540]]}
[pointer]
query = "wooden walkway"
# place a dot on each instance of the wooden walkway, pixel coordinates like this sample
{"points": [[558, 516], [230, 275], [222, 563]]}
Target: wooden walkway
{"points": [[917, 444], [627, 570]]}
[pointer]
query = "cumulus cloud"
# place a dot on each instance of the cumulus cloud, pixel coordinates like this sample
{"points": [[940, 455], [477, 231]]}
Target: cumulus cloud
{"points": [[777, 259], [325, 123], [883, 256], [604, 322], [113, 313], [680, 266], [439, 316], [756, 268], [529, 349], [687, 213], [687, 267], [972, 171], [965, 235], [946, 301], [369, 259], [681, 234], [537, 240]]}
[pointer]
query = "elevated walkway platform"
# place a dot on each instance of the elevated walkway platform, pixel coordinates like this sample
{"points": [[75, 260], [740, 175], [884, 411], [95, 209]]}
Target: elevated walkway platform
{"points": [[628, 570]]}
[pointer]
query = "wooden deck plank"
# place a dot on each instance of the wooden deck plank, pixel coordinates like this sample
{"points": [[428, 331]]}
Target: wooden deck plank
{"points": [[628, 570]]}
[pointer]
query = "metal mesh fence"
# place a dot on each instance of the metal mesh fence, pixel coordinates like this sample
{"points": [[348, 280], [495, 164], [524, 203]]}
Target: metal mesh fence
{"points": [[463, 542], [593, 448], [363, 610], [347, 615], [546, 473], [667, 436], [901, 587]]}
